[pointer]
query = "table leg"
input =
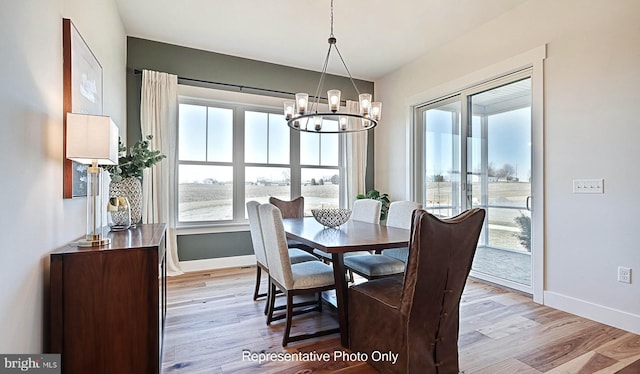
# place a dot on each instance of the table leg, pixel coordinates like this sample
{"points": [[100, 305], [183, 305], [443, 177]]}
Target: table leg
{"points": [[341, 297]]}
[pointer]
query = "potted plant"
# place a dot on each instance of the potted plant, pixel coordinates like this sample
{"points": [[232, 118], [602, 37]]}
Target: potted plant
{"points": [[125, 177], [383, 198]]}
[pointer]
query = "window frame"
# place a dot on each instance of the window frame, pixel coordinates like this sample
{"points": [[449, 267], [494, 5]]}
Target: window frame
{"points": [[240, 103]]}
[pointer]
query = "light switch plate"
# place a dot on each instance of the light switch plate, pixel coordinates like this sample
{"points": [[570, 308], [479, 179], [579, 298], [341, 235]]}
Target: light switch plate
{"points": [[588, 186]]}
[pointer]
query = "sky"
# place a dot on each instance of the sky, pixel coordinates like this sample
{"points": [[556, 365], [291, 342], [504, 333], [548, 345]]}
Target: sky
{"points": [[508, 138]]}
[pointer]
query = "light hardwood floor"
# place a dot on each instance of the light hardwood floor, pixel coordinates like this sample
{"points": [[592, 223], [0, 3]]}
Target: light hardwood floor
{"points": [[212, 319]]}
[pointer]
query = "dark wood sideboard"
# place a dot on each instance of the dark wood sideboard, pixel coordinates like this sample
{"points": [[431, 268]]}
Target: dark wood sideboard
{"points": [[108, 304]]}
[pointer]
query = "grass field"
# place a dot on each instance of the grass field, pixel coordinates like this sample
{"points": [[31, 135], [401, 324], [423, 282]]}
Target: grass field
{"points": [[205, 202]]}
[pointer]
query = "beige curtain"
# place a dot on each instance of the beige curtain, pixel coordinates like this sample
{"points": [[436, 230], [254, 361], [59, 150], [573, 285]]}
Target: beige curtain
{"points": [[158, 117], [353, 154]]}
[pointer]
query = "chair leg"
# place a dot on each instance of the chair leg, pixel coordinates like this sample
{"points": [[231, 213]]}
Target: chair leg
{"points": [[266, 305], [271, 301], [287, 329], [258, 277]]}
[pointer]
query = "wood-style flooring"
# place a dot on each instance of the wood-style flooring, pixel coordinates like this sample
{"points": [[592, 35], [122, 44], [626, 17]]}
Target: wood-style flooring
{"points": [[212, 320]]}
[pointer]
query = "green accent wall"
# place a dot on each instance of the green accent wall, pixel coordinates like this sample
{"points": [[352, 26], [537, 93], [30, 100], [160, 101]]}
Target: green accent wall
{"points": [[215, 70], [205, 246]]}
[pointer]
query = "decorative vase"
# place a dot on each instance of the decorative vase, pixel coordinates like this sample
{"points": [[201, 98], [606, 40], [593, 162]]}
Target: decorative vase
{"points": [[131, 188]]}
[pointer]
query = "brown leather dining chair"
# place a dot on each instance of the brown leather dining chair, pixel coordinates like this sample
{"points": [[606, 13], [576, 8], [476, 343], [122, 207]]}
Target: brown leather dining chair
{"points": [[417, 314]]}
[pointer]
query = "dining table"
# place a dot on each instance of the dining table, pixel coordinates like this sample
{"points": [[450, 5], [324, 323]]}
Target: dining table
{"points": [[348, 237]]}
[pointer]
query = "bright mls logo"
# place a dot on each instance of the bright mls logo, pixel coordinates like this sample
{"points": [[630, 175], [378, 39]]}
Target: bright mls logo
{"points": [[31, 363]]}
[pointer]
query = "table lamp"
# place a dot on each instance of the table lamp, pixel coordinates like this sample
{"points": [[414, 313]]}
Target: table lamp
{"points": [[92, 140]]}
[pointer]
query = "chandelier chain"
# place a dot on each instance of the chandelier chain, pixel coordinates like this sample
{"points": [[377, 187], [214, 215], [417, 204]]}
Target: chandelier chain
{"points": [[331, 19]]}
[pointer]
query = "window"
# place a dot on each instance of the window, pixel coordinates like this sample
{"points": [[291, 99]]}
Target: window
{"points": [[230, 153], [205, 170], [320, 174], [266, 156]]}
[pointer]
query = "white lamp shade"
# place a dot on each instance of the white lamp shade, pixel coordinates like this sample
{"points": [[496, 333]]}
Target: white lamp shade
{"points": [[91, 138]]}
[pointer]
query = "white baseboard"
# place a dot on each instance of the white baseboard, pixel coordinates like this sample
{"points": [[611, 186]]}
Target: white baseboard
{"points": [[609, 316], [217, 263]]}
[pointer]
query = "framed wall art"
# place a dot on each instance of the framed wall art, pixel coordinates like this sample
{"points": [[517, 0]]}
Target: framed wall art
{"points": [[82, 85]]}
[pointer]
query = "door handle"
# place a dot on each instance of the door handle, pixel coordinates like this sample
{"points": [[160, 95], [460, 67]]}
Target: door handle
{"points": [[528, 203]]}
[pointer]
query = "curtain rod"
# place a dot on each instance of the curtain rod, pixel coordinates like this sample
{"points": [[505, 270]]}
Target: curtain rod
{"points": [[238, 86]]}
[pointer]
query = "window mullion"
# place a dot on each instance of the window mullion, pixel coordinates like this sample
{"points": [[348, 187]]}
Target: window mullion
{"points": [[294, 159], [238, 164]]}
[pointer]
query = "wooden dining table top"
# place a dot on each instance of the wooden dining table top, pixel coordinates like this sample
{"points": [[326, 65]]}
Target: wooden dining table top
{"points": [[350, 236]]}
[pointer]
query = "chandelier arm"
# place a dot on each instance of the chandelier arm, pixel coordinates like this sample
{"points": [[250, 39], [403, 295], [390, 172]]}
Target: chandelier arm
{"points": [[321, 82], [348, 72]]}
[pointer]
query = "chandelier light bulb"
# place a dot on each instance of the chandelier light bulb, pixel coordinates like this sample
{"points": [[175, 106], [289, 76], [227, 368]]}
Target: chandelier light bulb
{"points": [[343, 123], [302, 99], [318, 121], [289, 109], [334, 100], [376, 110], [365, 104]]}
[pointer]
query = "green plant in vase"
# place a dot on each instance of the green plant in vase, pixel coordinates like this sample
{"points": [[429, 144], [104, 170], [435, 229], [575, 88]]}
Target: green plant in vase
{"points": [[132, 164]]}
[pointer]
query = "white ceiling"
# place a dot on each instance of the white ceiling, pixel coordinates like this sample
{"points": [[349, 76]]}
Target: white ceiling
{"points": [[375, 37]]}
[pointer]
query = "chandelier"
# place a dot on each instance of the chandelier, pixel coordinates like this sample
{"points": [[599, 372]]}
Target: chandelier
{"points": [[303, 115]]}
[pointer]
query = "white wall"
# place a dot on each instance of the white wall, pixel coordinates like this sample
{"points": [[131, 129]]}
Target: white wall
{"points": [[591, 96], [34, 218]]}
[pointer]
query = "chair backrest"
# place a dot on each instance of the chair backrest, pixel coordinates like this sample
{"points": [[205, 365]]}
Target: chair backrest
{"points": [[289, 209], [256, 232], [400, 213], [439, 262], [275, 244], [366, 210]]}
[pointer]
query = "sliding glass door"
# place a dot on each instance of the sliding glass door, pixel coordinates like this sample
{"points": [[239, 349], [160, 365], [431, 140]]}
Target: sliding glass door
{"points": [[499, 177], [483, 134]]}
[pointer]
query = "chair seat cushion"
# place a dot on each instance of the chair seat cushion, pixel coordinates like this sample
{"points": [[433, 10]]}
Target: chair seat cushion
{"points": [[311, 274], [387, 290], [299, 245], [327, 256], [374, 265], [297, 256], [398, 253]]}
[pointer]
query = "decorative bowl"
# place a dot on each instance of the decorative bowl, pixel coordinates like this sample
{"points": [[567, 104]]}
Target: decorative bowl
{"points": [[331, 217]]}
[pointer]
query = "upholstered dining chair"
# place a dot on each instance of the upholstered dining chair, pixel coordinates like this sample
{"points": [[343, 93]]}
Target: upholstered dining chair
{"points": [[257, 240], [400, 217], [311, 277], [420, 310], [372, 266], [364, 210], [291, 209]]}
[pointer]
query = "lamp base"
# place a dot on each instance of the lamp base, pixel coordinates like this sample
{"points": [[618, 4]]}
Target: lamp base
{"points": [[94, 243]]}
